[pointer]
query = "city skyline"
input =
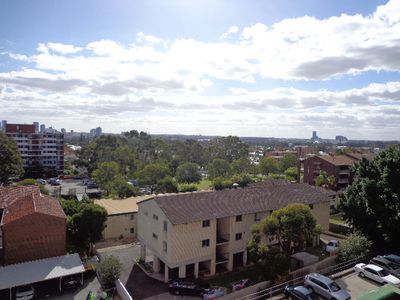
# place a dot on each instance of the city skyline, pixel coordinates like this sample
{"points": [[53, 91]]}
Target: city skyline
{"points": [[257, 69]]}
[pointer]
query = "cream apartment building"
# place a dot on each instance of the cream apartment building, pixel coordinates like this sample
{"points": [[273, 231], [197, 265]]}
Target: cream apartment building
{"points": [[203, 233], [121, 217]]}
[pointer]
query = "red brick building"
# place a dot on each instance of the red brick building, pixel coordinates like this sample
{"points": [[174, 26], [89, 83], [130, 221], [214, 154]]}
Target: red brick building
{"points": [[339, 166], [32, 226]]}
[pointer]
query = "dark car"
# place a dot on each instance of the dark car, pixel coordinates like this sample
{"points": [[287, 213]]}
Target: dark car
{"points": [[393, 258], [187, 287], [299, 292], [386, 264], [92, 185], [71, 282], [241, 284]]}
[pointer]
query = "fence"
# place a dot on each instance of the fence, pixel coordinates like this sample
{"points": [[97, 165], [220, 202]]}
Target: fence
{"points": [[122, 292], [278, 289], [340, 229]]}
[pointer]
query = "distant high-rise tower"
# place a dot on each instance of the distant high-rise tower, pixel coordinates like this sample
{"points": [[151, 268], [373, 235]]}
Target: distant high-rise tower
{"points": [[314, 135]]}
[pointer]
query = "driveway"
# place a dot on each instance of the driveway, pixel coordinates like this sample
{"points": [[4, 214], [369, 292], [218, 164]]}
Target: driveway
{"points": [[357, 286]]}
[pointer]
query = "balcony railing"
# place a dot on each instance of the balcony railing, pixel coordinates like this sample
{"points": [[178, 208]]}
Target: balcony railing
{"points": [[223, 238], [221, 258]]}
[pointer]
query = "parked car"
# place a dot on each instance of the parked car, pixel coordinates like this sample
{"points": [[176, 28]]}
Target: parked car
{"points": [[325, 287], [54, 181], [241, 284], [90, 263], [91, 185], [41, 181], [393, 258], [71, 282], [299, 292], [25, 292], [376, 273], [387, 265], [213, 293], [332, 246], [186, 287]]}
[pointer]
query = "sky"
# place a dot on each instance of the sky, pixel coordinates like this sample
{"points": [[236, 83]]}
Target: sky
{"points": [[222, 67]]}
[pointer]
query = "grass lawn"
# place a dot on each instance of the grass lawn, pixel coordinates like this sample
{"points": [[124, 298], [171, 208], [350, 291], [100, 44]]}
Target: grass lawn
{"points": [[204, 184], [337, 219], [253, 273]]}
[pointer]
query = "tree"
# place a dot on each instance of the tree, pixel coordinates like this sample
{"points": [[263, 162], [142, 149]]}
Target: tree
{"points": [[188, 173], [288, 160], [167, 185], [229, 148], [106, 175], [355, 246], [219, 168], [241, 166], [30, 181], [292, 225], [268, 165], [152, 173], [291, 172], [220, 183], [371, 204], [109, 270], [10, 160]]}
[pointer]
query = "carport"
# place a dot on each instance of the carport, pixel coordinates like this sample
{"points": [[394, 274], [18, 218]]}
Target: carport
{"points": [[40, 270]]}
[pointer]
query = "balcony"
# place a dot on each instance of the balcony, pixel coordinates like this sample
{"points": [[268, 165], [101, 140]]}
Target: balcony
{"points": [[343, 180], [221, 258], [344, 172], [222, 239]]}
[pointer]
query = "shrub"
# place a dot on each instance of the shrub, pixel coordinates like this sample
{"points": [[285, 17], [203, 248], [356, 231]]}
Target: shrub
{"points": [[356, 245], [186, 187], [109, 270]]}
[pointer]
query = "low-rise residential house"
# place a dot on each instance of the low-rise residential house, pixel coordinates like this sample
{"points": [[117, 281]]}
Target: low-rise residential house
{"points": [[122, 217], [339, 166], [204, 233], [32, 226]]}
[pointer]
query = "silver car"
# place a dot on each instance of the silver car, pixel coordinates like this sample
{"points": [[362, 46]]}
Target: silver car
{"points": [[325, 287]]}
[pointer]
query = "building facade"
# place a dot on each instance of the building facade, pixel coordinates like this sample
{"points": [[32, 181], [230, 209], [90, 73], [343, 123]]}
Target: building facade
{"points": [[42, 151], [32, 226], [204, 233]]}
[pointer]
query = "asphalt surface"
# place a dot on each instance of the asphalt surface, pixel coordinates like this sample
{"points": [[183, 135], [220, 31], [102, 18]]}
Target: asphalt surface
{"points": [[357, 286]]}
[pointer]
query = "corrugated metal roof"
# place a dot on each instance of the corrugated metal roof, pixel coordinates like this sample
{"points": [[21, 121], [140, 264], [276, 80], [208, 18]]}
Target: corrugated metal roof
{"points": [[121, 206], [40, 270]]}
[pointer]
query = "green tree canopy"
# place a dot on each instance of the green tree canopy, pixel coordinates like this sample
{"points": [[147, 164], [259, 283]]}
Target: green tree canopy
{"points": [[167, 185], [30, 181], [10, 160], [291, 172], [106, 174], [268, 165], [151, 174], [241, 166], [371, 203], [109, 270], [288, 160], [188, 173], [354, 246], [293, 224], [219, 168], [229, 148]]}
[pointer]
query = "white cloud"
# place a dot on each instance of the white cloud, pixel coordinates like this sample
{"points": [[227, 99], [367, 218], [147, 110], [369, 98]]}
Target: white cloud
{"points": [[231, 30], [148, 38], [63, 49]]}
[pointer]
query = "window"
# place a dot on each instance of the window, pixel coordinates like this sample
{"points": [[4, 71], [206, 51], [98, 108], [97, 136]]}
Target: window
{"points": [[311, 206], [132, 217], [205, 243], [165, 226], [155, 236], [257, 217], [239, 218], [206, 223], [132, 230], [155, 217], [165, 246], [238, 236]]}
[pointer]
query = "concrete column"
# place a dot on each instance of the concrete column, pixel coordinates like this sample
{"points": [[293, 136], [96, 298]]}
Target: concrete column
{"points": [[166, 273], [230, 262], [212, 267], [156, 264], [182, 271], [143, 252], [196, 270], [245, 258]]}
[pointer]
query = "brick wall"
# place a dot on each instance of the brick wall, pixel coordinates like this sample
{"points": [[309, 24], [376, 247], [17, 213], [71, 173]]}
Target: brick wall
{"points": [[35, 236], [315, 164]]}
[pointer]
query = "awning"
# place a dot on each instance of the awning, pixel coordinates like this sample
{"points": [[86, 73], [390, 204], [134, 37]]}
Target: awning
{"points": [[40, 270]]}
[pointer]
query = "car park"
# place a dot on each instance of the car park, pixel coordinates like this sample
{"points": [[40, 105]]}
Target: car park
{"points": [[325, 287], [376, 273], [299, 292], [387, 265], [25, 292], [332, 246], [54, 181], [186, 287]]}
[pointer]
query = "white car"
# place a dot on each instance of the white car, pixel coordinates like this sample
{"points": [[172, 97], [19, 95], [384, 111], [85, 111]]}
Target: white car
{"points": [[332, 246], [25, 292], [376, 273]]}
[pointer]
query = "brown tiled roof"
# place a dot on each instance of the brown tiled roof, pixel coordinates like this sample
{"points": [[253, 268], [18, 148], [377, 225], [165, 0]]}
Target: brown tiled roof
{"points": [[257, 197], [359, 156], [20, 201], [339, 160]]}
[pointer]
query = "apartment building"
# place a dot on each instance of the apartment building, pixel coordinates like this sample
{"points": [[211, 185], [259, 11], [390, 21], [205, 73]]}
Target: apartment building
{"points": [[204, 233], [121, 217], [32, 226], [339, 166], [42, 151]]}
